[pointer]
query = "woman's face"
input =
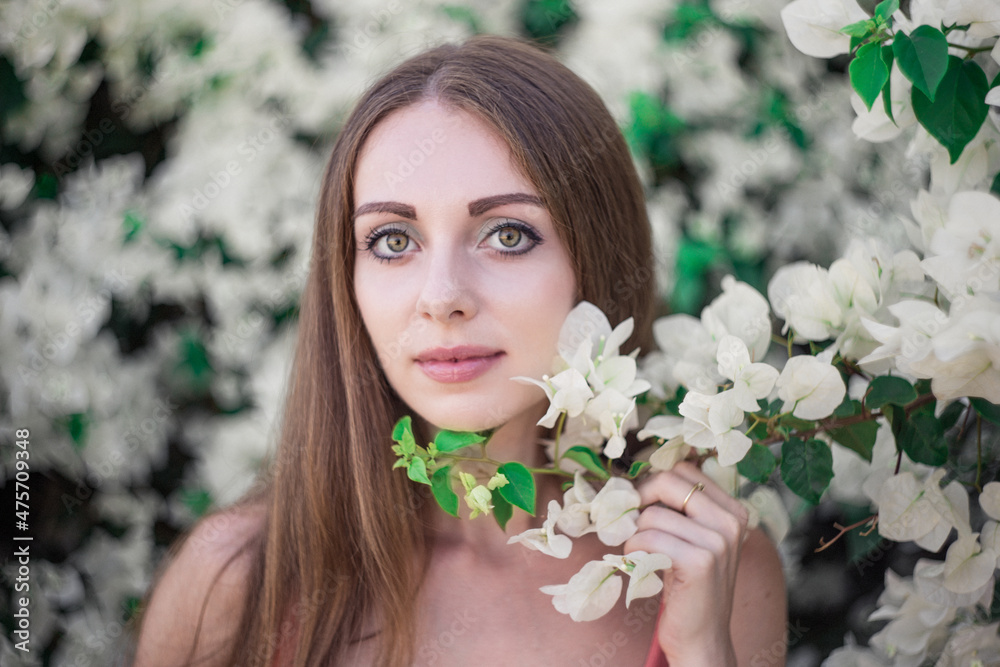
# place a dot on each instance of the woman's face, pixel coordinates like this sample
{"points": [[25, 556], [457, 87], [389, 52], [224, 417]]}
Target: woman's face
{"points": [[461, 279]]}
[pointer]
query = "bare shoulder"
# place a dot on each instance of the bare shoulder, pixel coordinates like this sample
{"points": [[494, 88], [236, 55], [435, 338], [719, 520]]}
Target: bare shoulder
{"points": [[200, 591], [759, 605]]}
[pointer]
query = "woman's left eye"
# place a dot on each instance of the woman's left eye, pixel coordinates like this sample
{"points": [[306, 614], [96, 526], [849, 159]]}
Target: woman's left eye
{"points": [[512, 237]]}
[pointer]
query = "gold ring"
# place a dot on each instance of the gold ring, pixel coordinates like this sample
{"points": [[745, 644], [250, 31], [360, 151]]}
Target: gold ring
{"points": [[697, 487]]}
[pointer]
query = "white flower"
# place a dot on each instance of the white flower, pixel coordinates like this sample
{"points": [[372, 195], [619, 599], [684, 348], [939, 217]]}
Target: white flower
{"points": [[589, 594], [989, 500], [614, 510], [641, 567], [616, 415], [982, 17], [972, 646], [919, 511], [669, 430], [710, 421], [967, 568], [964, 255], [965, 346], [740, 311], [751, 381], [567, 392], [687, 355], [812, 387], [814, 26], [907, 344], [574, 520], [915, 623], [802, 294], [545, 539]]}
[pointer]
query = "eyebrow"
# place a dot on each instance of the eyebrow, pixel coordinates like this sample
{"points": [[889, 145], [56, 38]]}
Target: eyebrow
{"points": [[476, 208], [394, 207], [480, 206]]}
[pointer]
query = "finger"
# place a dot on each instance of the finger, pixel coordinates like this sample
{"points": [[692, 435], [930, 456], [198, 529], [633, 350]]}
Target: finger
{"points": [[665, 520], [690, 562], [721, 513], [694, 474]]}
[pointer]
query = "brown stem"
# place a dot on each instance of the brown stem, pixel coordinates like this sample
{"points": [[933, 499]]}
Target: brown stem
{"points": [[829, 424], [824, 544]]}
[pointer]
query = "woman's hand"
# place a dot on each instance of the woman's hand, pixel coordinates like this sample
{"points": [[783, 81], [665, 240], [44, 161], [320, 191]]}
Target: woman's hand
{"points": [[704, 539]]}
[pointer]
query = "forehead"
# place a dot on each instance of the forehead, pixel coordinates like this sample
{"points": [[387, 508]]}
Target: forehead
{"points": [[432, 152]]}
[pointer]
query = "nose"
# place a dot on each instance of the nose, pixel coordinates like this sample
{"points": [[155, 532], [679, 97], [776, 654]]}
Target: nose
{"points": [[447, 292]]}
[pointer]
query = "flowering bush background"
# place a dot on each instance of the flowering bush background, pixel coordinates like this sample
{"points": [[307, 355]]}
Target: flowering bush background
{"points": [[158, 175]]}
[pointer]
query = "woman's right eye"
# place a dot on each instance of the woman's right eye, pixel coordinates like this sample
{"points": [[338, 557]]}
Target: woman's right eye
{"points": [[387, 244]]}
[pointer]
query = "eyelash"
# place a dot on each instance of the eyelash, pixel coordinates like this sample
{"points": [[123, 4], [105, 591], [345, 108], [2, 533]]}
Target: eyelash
{"points": [[373, 237]]}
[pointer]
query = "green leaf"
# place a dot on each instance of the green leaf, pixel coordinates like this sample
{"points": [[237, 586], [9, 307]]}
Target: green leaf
{"points": [[887, 58], [995, 187], [449, 441], [521, 489], [868, 73], [856, 42], [958, 109], [502, 510], [758, 464], [922, 439], [637, 467], [951, 414], [806, 467], [848, 408], [922, 57], [401, 426], [791, 421], [588, 459], [858, 437], [417, 471], [988, 411], [443, 493], [885, 9], [889, 389], [861, 29]]}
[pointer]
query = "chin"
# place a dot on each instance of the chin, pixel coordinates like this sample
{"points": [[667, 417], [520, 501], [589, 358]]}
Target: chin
{"points": [[474, 418]]}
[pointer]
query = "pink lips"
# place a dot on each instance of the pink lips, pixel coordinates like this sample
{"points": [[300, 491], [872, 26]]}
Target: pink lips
{"points": [[457, 364]]}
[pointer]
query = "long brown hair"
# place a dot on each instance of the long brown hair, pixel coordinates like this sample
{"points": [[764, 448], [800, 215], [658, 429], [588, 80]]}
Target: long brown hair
{"points": [[341, 544]]}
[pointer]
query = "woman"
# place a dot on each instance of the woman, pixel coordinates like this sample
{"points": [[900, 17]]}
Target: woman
{"points": [[476, 193]]}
